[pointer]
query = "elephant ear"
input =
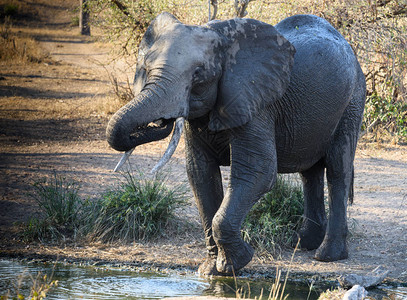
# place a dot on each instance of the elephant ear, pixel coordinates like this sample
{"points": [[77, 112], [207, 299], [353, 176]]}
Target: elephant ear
{"points": [[156, 27], [256, 73]]}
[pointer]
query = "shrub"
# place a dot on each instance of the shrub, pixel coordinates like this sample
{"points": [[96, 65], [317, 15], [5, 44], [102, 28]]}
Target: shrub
{"points": [[136, 210], [60, 207], [390, 114], [10, 9], [273, 221]]}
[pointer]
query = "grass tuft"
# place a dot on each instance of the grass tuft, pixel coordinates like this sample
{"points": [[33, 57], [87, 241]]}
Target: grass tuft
{"points": [[273, 221], [136, 210], [60, 207]]}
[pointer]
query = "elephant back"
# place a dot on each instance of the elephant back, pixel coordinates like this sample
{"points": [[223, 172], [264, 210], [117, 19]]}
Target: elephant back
{"points": [[323, 81], [324, 61]]}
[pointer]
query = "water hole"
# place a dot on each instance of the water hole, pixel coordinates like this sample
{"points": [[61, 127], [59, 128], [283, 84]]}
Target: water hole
{"points": [[90, 282]]}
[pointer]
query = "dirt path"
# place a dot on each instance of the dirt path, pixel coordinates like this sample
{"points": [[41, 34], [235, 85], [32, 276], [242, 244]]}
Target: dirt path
{"points": [[53, 117]]}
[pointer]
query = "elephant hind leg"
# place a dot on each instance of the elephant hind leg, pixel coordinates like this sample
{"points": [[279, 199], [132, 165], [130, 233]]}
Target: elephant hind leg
{"points": [[312, 230], [339, 177], [339, 172]]}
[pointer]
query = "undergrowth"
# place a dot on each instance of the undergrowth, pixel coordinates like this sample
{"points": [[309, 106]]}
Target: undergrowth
{"points": [[60, 208], [273, 221], [136, 210], [140, 209]]}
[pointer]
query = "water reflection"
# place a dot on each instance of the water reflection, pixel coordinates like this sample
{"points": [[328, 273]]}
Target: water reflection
{"points": [[247, 288], [98, 283], [101, 283]]}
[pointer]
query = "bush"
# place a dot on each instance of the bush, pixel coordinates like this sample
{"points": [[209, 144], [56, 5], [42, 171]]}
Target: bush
{"points": [[60, 208], [10, 9], [136, 210], [387, 114], [273, 221]]}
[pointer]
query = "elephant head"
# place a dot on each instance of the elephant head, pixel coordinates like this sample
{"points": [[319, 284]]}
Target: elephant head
{"points": [[227, 70]]}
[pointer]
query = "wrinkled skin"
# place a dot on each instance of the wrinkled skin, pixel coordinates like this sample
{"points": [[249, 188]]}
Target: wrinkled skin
{"points": [[262, 99]]}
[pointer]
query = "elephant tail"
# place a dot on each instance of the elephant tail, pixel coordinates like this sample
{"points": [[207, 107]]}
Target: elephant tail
{"points": [[351, 191]]}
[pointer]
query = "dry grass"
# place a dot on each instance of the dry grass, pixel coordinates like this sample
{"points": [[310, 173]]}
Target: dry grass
{"points": [[336, 294], [19, 49]]}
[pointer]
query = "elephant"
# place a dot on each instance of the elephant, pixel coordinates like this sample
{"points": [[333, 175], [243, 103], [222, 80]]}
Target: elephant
{"points": [[261, 99]]}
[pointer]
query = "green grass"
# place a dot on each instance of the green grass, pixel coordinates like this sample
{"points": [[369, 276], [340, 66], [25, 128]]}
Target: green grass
{"points": [[136, 210], [60, 207], [273, 221], [140, 209]]}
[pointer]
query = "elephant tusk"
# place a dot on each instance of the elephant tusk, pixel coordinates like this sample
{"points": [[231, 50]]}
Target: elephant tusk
{"points": [[124, 158], [176, 135]]}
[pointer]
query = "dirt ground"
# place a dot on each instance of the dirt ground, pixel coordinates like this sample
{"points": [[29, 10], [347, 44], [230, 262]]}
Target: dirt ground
{"points": [[53, 116]]}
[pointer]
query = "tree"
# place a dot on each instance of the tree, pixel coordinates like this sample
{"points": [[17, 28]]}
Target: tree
{"points": [[84, 17]]}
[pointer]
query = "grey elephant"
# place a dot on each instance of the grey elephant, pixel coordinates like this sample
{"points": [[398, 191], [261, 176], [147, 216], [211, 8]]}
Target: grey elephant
{"points": [[262, 99]]}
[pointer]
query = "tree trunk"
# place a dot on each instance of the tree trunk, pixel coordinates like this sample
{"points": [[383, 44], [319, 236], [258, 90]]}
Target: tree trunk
{"points": [[84, 17]]}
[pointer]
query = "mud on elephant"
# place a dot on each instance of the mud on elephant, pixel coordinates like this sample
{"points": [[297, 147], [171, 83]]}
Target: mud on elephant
{"points": [[262, 99]]}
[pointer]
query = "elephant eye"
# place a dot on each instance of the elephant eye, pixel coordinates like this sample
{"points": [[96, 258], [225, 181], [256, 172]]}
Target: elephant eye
{"points": [[199, 73]]}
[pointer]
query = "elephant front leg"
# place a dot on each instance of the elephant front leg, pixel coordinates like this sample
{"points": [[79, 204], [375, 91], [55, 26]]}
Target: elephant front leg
{"points": [[206, 182], [253, 172]]}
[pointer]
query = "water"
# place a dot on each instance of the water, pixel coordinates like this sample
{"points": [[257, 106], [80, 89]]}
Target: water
{"points": [[76, 282]]}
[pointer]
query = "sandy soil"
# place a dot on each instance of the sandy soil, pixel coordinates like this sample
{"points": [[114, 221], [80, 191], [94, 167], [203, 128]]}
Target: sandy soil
{"points": [[53, 116]]}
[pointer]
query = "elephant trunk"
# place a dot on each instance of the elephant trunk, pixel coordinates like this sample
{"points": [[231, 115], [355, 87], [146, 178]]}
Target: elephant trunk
{"points": [[138, 122], [149, 117]]}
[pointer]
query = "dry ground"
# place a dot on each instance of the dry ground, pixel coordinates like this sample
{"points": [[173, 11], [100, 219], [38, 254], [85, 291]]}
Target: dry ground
{"points": [[53, 116]]}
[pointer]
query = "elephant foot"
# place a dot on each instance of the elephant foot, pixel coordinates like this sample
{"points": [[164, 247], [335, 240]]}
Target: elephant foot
{"points": [[311, 235], [208, 267], [232, 258], [331, 251]]}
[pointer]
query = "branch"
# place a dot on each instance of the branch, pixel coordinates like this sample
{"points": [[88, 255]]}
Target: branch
{"points": [[240, 7], [381, 3], [399, 10], [370, 127], [125, 10], [122, 8], [214, 3]]}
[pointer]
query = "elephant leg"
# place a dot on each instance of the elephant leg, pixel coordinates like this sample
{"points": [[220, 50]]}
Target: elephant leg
{"points": [[312, 230], [253, 172], [334, 246], [206, 182], [339, 173]]}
